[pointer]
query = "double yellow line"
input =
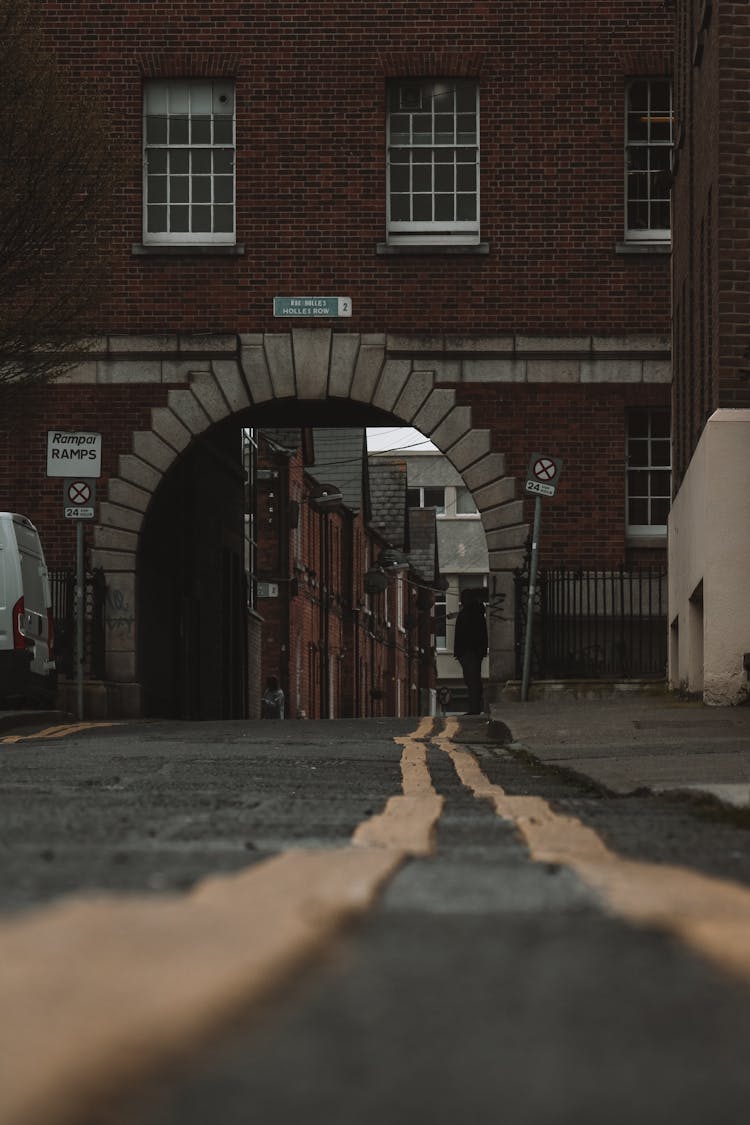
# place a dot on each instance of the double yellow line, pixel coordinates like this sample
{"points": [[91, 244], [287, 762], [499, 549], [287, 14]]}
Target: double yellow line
{"points": [[59, 731], [710, 915], [94, 991]]}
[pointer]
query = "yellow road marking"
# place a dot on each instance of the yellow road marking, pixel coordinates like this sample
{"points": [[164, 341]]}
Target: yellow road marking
{"points": [[94, 992], [710, 915], [48, 732], [59, 731], [408, 821]]}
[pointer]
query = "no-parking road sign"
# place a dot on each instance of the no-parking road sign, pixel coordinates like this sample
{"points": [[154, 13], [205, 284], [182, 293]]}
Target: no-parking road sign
{"points": [[78, 498], [543, 474]]}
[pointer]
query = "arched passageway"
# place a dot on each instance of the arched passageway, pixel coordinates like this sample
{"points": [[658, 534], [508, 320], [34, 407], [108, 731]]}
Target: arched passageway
{"points": [[151, 517], [190, 640]]}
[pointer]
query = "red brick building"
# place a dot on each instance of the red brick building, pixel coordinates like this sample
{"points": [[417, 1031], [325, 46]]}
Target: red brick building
{"points": [[482, 190], [710, 522], [345, 597]]}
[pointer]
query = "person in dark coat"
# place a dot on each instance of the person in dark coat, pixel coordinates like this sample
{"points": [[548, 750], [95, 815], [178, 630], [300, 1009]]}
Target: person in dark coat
{"points": [[273, 700], [470, 646]]}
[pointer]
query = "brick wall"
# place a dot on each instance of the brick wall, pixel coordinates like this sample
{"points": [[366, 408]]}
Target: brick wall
{"points": [[254, 664], [583, 424], [310, 630], [24, 486], [712, 218], [311, 159], [586, 427], [311, 205]]}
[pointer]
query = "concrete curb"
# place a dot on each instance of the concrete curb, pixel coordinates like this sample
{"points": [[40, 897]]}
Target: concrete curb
{"points": [[729, 798], [621, 747]]}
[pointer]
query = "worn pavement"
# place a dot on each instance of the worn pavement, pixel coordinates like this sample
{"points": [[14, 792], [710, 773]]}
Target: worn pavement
{"points": [[626, 743], [638, 743]]}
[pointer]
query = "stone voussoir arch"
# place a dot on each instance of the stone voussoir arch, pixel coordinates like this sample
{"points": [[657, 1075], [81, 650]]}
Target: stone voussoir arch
{"points": [[306, 364]]}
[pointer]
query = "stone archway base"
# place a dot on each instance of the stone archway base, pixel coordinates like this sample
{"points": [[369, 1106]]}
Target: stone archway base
{"points": [[231, 376]]}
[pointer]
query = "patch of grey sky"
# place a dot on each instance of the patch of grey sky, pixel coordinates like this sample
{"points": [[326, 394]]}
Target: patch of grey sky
{"points": [[384, 438]]}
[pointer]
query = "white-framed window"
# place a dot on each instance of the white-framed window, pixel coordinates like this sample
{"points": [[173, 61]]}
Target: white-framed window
{"points": [[426, 497], [188, 162], [433, 161], [648, 159], [649, 484], [465, 505]]}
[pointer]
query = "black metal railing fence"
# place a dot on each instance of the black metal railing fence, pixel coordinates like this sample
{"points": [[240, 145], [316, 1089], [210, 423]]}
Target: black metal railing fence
{"points": [[62, 590], [595, 623]]}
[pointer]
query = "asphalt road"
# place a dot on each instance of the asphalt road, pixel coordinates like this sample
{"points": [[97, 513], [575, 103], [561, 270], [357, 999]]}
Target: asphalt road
{"points": [[154, 807], [484, 985]]}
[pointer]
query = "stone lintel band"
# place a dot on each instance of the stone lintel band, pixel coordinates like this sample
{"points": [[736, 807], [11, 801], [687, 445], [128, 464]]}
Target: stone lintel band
{"points": [[172, 358]]}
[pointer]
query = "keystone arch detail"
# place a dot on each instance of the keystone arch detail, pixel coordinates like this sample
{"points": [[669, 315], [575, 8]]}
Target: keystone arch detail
{"points": [[306, 364]]}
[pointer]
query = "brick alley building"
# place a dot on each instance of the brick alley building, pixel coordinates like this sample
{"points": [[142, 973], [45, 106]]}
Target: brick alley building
{"points": [[709, 535], [344, 583], [452, 217]]}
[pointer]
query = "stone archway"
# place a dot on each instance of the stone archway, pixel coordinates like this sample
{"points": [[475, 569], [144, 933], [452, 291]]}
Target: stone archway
{"points": [[304, 364]]}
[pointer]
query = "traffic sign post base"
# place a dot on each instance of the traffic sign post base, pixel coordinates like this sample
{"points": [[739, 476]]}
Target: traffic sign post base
{"points": [[541, 480], [80, 617], [79, 494], [533, 568]]}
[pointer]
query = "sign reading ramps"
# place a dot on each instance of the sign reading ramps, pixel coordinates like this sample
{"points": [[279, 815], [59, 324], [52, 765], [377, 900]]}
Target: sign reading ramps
{"points": [[69, 453]]}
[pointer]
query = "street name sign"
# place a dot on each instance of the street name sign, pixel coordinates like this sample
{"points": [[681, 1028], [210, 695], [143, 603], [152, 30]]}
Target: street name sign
{"points": [[543, 474], [312, 306], [79, 494], [68, 453]]}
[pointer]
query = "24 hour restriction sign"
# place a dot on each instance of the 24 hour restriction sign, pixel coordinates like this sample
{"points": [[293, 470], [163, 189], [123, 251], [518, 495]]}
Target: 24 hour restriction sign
{"points": [[78, 498], [543, 474]]}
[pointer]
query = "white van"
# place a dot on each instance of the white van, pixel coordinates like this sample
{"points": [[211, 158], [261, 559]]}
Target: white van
{"points": [[27, 666]]}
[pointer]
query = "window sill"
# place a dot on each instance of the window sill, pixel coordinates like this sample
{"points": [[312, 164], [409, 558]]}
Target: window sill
{"points": [[643, 247], [197, 250], [658, 541], [410, 248]]}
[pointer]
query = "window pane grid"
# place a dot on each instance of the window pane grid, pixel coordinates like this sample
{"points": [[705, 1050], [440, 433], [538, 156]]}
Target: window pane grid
{"points": [[433, 156], [427, 186], [648, 158], [189, 161], [649, 476]]}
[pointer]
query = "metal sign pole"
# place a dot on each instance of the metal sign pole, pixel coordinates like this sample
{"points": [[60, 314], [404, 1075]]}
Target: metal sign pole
{"points": [[533, 565], [80, 615]]}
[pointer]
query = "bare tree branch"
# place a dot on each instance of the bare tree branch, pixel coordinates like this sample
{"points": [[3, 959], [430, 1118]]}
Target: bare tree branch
{"points": [[56, 179]]}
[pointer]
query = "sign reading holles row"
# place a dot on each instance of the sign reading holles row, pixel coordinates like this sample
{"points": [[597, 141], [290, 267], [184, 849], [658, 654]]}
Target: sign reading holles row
{"points": [[69, 453], [312, 306]]}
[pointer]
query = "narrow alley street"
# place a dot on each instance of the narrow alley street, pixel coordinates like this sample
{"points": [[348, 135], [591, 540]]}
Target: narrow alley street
{"points": [[268, 922]]}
